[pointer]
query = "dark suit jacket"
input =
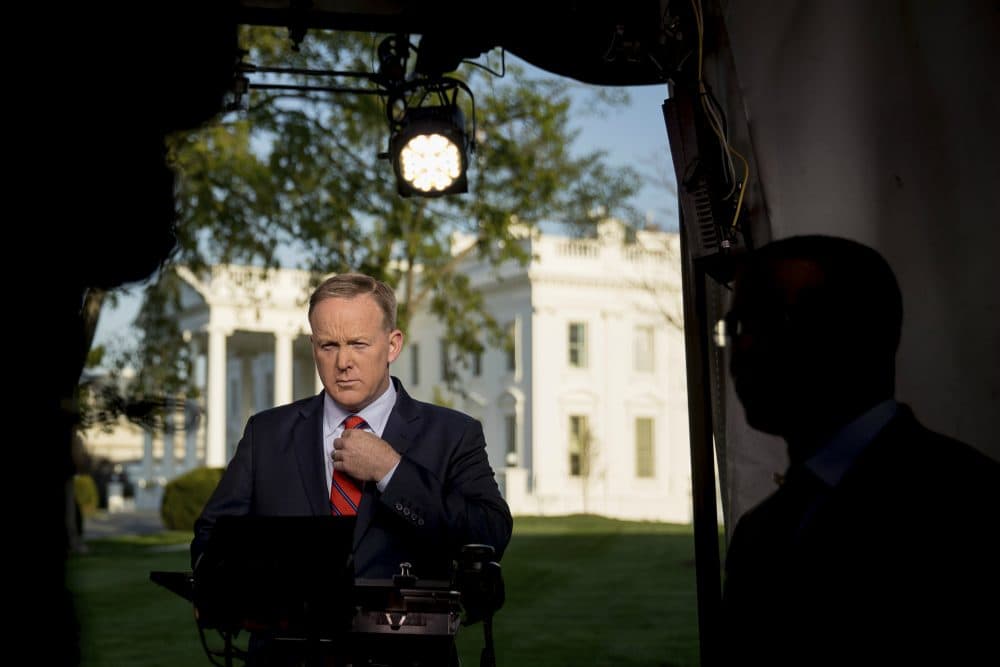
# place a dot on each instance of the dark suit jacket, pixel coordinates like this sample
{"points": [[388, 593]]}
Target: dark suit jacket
{"points": [[896, 565], [443, 494]]}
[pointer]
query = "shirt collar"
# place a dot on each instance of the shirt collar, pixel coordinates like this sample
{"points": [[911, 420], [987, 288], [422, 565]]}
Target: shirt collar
{"points": [[833, 459], [375, 414]]}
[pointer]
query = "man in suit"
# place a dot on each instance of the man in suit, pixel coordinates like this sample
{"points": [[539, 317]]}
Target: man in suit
{"points": [[416, 474], [879, 545]]}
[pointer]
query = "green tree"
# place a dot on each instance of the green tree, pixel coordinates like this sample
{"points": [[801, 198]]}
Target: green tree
{"points": [[302, 174]]}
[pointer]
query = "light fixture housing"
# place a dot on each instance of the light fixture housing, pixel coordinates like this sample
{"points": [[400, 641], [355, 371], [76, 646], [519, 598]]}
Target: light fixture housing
{"points": [[430, 152]]}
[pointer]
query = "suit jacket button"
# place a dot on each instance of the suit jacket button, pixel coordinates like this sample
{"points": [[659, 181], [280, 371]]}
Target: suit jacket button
{"points": [[406, 511], [399, 506], [420, 522]]}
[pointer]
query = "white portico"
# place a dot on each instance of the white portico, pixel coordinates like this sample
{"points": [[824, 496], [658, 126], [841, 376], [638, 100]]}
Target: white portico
{"points": [[249, 330]]}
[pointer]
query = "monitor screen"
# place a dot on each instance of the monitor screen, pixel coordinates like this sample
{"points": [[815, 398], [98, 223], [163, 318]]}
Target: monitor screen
{"points": [[276, 573]]}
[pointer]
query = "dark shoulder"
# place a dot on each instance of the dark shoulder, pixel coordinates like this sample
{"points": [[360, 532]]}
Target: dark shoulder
{"points": [[283, 413], [409, 407], [918, 448], [934, 472], [441, 413]]}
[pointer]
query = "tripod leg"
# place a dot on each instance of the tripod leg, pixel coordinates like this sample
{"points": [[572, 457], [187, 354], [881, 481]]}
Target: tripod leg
{"points": [[488, 658]]}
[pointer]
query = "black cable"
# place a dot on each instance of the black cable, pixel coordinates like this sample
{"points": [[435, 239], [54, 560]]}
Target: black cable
{"points": [[204, 645], [503, 65], [729, 178]]}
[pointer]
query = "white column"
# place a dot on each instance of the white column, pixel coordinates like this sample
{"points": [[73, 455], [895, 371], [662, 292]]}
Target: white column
{"points": [[282, 367], [215, 446], [192, 421]]}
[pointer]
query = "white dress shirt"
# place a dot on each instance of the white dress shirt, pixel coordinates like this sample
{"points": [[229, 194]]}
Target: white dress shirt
{"points": [[833, 459]]}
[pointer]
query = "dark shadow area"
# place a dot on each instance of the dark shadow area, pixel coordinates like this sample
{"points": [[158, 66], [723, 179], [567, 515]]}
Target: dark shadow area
{"points": [[96, 211], [580, 591]]}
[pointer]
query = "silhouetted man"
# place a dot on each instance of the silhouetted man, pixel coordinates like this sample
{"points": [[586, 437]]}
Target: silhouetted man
{"points": [[877, 548]]}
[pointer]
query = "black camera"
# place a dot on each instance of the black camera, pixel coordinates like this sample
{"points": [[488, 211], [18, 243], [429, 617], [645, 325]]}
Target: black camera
{"points": [[476, 575]]}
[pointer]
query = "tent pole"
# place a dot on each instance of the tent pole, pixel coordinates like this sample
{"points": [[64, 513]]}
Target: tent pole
{"points": [[706, 525]]}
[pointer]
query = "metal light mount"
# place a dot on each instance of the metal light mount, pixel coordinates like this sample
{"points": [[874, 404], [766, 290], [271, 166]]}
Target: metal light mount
{"points": [[428, 143], [429, 146]]}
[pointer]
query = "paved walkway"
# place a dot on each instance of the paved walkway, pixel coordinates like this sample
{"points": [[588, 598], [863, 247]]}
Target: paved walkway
{"points": [[112, 524]]}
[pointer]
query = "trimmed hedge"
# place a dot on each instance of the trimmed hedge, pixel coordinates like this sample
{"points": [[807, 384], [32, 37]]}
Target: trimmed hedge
{"points": [[184, 497], [86, 494]]}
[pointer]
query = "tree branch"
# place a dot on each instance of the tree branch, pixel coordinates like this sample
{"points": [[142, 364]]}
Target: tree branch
{"points": [[447, 268], [90, 313]]}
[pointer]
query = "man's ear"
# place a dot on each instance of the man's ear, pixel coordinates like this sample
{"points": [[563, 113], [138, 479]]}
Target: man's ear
{"points": [[395, 344]]}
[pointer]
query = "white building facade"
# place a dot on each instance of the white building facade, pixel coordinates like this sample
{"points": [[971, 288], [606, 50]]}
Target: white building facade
{"points": [[586, 412]]}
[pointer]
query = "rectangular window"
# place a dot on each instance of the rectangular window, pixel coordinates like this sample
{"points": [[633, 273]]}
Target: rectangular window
{"points": [[477, 364], [414, 364], [444, 350], [642, 349], [511, 346], [579, 446], [644, 462], [510, 436], [578, 344]]}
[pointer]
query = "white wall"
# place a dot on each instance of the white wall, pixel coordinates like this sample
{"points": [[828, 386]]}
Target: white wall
{"points": [[878, 121], [613, 288]]}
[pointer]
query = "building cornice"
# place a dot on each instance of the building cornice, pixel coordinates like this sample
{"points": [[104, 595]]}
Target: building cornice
{"points": [[602, 282]]}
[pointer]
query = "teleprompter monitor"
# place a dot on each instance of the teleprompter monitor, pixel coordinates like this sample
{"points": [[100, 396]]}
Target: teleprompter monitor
{"points": [[287, 574]]}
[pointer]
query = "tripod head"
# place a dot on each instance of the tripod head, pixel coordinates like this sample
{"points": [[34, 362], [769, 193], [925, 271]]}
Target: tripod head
{"points": [[478, 578]]}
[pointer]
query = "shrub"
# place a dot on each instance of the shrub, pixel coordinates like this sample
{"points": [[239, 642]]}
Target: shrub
{"points": [[185, 497], [86, 494]]}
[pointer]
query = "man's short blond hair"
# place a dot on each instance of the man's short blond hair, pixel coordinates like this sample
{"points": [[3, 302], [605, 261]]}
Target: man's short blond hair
{"points": [[351, 285]]}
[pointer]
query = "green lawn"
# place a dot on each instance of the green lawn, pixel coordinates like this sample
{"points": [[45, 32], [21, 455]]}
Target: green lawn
{"points": [[581, 590]]}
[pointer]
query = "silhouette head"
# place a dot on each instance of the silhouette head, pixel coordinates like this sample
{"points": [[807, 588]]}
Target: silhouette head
{"points": [[815, 325]]}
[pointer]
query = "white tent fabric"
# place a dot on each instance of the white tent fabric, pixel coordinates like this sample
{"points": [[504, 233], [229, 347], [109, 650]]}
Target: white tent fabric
{"points": [[878, 121]]}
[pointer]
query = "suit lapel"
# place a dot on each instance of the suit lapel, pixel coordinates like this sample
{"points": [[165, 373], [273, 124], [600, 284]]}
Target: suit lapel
{"points": [[307, 443], [398, 429], [397, 433]]}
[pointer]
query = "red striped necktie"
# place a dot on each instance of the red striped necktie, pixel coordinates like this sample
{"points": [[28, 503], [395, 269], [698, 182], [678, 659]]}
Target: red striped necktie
{"points": [[345, 492]]}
